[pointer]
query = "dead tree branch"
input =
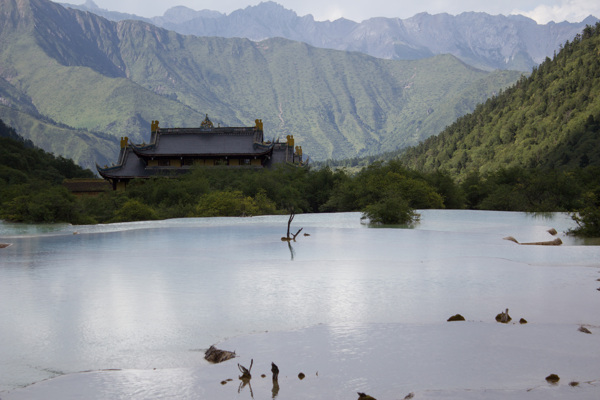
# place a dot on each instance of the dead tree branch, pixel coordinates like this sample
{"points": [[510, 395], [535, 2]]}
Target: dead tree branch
{"points": [[293, 236]]}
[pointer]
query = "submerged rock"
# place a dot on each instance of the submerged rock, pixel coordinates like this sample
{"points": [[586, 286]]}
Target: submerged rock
{"points": [[362, 396], [216, 356], [503, 317], [584, 330], [456, 317]]}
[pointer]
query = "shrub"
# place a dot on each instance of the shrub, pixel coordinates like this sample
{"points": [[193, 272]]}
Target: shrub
{"points": [[226, 204], [134, 210], [391, 210], [588, 217]]}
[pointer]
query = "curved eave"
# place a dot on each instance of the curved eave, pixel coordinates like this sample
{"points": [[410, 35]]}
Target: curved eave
{"points": [[102, 170], [109, 173], [111, 176]]}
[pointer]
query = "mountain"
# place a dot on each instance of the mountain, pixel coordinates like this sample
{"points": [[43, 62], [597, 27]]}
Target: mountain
{"points": [[484, 41], [549, 120], [75, 82]]}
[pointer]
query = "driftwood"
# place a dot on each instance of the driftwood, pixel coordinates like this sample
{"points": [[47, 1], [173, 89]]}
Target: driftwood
{"points": [[4, 245], [293, 236], [216, 356], [555, 242], [245, 377], [275, 371], [246, 371]]}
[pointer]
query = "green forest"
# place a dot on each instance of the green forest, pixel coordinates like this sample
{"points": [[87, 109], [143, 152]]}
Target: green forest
{"points": [[550, 119], [532, 148]]}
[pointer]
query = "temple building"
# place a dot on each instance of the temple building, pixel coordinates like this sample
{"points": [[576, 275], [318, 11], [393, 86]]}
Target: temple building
{"points": [[175, 150]]}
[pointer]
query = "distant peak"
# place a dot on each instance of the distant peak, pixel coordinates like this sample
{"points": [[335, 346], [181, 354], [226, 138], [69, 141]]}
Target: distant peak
{"points": [[270, 6], [90, 4]]}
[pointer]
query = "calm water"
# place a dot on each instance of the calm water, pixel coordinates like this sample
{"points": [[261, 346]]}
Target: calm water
{"points": [[156, 294]]}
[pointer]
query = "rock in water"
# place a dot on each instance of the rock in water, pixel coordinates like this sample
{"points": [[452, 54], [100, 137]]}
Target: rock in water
{"points": [[362, 396], [456, 317], [216, 356], [584, 330], [503, 317], [552, 378]]}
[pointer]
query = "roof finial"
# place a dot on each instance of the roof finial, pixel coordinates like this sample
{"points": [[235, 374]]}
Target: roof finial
{"points": [[206, 123]]}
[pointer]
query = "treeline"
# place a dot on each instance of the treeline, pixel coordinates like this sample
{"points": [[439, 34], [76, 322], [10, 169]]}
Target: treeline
{"points": [[389, 193], [30, 181], [210, 192]]}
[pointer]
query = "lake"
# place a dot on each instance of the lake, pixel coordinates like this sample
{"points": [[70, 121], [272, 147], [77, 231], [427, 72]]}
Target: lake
{"points": [[155, 295]]}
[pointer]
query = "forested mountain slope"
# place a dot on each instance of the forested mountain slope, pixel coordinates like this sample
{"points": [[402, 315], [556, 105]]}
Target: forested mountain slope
{"points": [[550, 120], [73, 81]]}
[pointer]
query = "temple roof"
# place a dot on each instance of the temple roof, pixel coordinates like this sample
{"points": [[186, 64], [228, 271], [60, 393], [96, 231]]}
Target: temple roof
{"points": [[189, 142], [204, 142]]}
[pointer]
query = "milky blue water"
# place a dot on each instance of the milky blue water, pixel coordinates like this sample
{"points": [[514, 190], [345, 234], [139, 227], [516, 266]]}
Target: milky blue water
{"points": [[157, 294]]}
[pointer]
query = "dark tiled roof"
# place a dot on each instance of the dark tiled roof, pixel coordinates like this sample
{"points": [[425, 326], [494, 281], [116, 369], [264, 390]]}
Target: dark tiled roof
{"points": [[194, 142], [198, 142]]}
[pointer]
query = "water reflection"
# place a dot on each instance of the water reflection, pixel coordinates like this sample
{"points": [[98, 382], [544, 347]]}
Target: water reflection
{"points": [[292, 252]]}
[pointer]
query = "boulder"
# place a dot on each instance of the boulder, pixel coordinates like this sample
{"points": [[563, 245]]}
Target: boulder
{"points": [[456, 317], [216, 356], [503, 317], [584, 330]]}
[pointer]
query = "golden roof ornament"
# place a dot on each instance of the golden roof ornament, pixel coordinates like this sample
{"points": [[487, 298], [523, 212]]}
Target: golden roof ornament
{"points": [[207, 123]]}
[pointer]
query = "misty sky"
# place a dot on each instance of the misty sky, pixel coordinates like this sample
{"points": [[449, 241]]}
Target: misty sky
{"points": [[542, 11]]}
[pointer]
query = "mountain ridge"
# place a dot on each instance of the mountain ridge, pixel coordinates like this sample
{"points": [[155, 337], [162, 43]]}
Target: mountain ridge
{"points": [[479, 39], [78, 74]]}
